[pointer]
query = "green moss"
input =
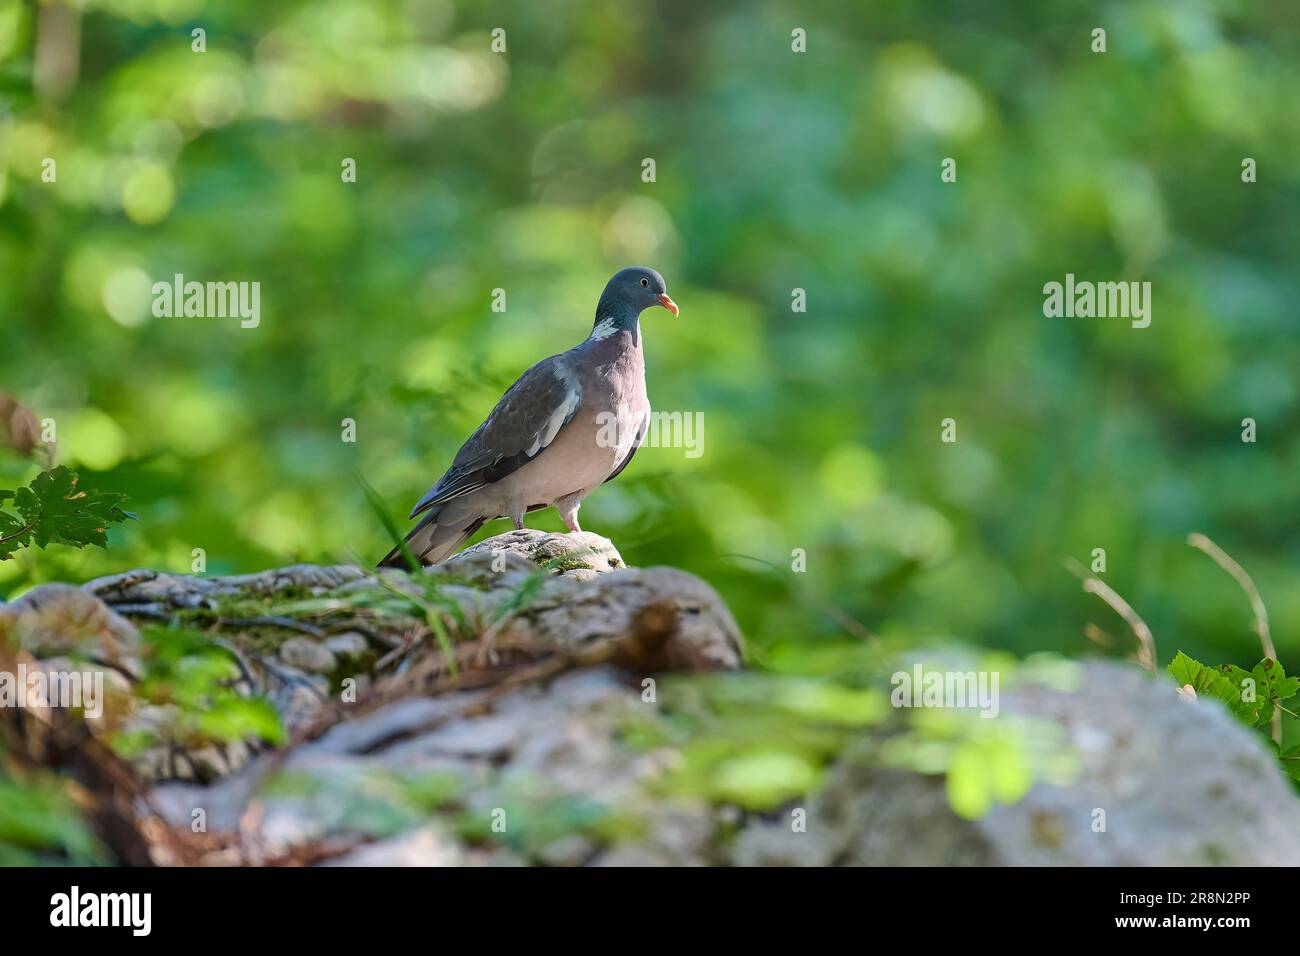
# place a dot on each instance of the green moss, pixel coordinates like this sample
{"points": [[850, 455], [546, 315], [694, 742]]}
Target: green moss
{"points": [[565, 562]]}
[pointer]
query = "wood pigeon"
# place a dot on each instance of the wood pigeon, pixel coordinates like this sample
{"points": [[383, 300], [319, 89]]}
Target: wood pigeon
{"points": [[569, 424]]}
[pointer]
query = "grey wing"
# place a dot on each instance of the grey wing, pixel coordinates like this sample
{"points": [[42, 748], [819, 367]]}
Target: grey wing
{"points": [[526, 420], [640, 437]]}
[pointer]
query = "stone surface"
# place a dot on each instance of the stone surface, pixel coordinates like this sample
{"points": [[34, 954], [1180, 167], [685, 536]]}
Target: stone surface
{"points": [[1182, 783], [350, 645], [56, 619], [563, 553], [306, 654], [538, 729], [540, 746], [426, 846]]}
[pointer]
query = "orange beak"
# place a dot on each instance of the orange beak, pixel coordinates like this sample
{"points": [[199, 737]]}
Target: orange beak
{"points": [[668, 303]]}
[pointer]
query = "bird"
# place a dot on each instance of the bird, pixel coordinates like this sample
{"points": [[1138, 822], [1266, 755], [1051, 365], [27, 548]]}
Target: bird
{"points": [[569, 424]]}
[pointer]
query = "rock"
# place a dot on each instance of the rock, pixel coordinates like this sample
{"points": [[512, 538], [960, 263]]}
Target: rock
{"points": [[561, 554], [116, 685], [1182, 783], [481, 569], [308, 655], [349, 645], [537, 747], [59, 619], [298, 703], [632, 856], [427, 846], [400, 720], [704, 635], [589, 598], [544, 720], [153, 590], [571, 850]]}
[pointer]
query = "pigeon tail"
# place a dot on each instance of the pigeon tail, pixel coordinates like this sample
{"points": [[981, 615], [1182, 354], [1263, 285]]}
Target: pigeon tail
{"points": [[432, 543]]}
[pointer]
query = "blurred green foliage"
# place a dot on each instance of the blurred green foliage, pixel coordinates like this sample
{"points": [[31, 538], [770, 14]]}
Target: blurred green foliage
{"points": [[40, 823], [194, 676], [775, 171]]}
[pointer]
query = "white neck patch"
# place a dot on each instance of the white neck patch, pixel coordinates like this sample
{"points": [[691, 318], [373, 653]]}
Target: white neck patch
{"points": [[603, 330]]}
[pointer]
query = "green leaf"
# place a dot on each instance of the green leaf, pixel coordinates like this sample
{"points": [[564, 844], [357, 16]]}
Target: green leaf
{"points": [[1290, 760], [53, 510], [1270, 684], [1209, 682], [764, 779], [13, 535], [986, 769], [1272, 677], [1257, 706], [233, 718]]}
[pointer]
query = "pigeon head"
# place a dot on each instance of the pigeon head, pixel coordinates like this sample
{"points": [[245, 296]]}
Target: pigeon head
{"points": [[630, 292]]}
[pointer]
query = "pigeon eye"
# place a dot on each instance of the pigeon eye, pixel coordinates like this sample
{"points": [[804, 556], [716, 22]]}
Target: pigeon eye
{"points": [[645, 282]]}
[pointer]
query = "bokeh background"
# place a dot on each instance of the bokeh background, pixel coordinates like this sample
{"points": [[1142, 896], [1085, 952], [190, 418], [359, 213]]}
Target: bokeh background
{"points": [[775, 171]]}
